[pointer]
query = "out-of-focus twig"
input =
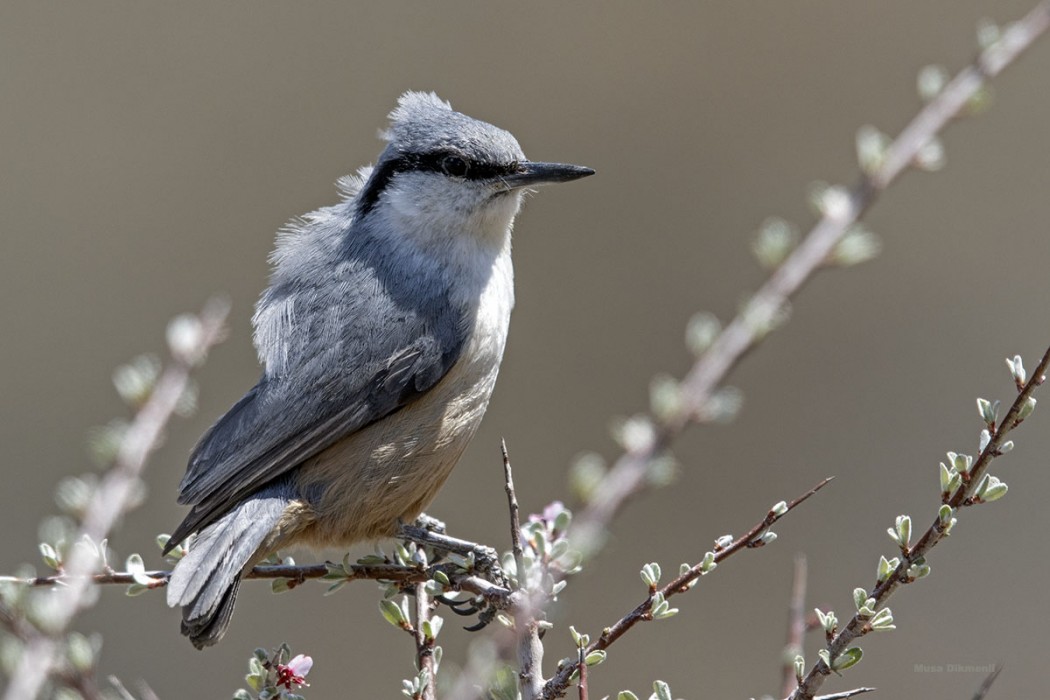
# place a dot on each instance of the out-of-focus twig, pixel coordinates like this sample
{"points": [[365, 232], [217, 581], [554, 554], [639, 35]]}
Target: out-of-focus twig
{"points": [[628, 475], [796, 626], [108, 504], [986, 684]]}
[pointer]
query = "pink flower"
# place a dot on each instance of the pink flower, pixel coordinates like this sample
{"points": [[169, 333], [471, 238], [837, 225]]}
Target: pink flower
{"points": [[295, 672], [550, 513]]}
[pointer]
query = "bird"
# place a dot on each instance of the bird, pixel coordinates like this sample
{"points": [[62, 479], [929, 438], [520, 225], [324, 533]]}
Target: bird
{"points": [[380, 336]]}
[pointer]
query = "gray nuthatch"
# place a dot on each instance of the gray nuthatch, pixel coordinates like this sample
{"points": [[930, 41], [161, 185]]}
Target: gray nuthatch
{"points": [[380, 334]]}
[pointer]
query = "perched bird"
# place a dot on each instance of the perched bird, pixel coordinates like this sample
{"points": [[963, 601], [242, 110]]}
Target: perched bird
{"points": [[381, 335]]}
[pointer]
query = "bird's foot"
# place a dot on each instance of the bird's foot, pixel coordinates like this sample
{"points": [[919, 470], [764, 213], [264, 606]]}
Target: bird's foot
{"points": [[486, 559], [425, 522]]}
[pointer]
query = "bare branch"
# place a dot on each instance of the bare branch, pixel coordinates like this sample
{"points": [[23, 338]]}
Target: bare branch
{"points": [[846, 694], [515, 518]]}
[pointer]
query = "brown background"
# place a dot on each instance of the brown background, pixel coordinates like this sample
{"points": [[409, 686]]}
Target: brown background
{"points": [[149, 153]]}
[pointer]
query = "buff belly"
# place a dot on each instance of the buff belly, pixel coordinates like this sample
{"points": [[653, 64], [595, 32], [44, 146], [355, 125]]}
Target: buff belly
{"points": [[347, 498]]}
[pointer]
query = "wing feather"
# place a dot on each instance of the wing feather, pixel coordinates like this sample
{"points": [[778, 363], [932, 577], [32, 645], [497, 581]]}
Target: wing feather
{"points": [[220, 475], [377, 341]]}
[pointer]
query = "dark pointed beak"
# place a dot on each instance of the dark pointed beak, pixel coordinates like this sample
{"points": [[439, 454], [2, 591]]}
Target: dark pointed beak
{"points": [[530, 174]]}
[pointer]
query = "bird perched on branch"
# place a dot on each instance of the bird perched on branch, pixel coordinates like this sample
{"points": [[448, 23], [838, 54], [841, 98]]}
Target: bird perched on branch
{"points": [[381, 335]]}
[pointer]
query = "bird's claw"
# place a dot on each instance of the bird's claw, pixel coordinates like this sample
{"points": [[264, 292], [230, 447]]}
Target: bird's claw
{"points": [[486, 559], [425, 522]]}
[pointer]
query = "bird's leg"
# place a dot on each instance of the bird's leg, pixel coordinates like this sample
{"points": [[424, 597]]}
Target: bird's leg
{"points": [[430, 532]]}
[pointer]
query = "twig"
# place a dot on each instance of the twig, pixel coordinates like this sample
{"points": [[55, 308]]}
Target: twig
{"points": [[846, 694], [796, 626], [530, 648], [530, 655], [627, 476], [493, 593], [986, 685], [515, 518], [581, 662], [425, 646], [109, 503], [858, 624], [557, 685]]}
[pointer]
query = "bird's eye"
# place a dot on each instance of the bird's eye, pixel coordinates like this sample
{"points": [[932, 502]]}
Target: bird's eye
{"points": [[454, 166]]}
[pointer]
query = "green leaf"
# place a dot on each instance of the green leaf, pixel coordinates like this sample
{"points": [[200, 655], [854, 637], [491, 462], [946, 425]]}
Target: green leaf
{"points": [[50, 556], [135, 589], [663, 691], [393, 613], [595, 657], [846, 659]]}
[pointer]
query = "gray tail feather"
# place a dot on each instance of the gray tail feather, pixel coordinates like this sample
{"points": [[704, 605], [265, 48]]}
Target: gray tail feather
{"points": [[205, 582]]}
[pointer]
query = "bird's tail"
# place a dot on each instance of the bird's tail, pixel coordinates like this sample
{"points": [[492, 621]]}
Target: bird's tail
{"points": [[205, 581]]}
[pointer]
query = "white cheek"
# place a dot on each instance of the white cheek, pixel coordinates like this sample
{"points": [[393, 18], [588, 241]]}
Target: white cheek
{"points": [[496, 215], [433, 209]]}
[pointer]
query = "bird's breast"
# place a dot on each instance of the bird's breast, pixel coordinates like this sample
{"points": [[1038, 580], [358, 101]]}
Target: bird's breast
{"points": [[468, 385], [392, 469]]}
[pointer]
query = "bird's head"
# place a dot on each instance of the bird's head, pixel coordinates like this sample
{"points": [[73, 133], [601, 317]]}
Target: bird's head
{"points": [[444, 173]]}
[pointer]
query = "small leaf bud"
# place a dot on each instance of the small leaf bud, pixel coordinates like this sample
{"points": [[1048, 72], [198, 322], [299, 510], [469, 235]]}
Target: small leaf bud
{"points": [[1016, 367], [701, 332], [871, 148], [931, 81], [1026, 408], [775, 240], [650, 574]]}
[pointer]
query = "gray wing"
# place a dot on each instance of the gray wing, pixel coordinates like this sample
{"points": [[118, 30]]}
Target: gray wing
{"points": [[398, 354]]}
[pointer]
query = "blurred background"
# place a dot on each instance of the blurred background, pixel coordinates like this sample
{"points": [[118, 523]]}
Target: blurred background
{"points": [[149, 152]]}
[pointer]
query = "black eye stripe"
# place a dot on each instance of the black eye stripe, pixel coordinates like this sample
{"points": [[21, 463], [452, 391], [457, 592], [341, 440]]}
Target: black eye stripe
{"points": [[431, 162], [476, 170]]}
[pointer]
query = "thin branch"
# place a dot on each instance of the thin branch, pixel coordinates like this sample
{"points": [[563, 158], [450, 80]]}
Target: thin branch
{"points": [[515, 518], [986, 685], [530, 654], [109, 503], [858, 625], [627, 476], [557, 685], [581, 663], [493, 593], [846, 694], [796, 626], [424, 646], [530, 648]]}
